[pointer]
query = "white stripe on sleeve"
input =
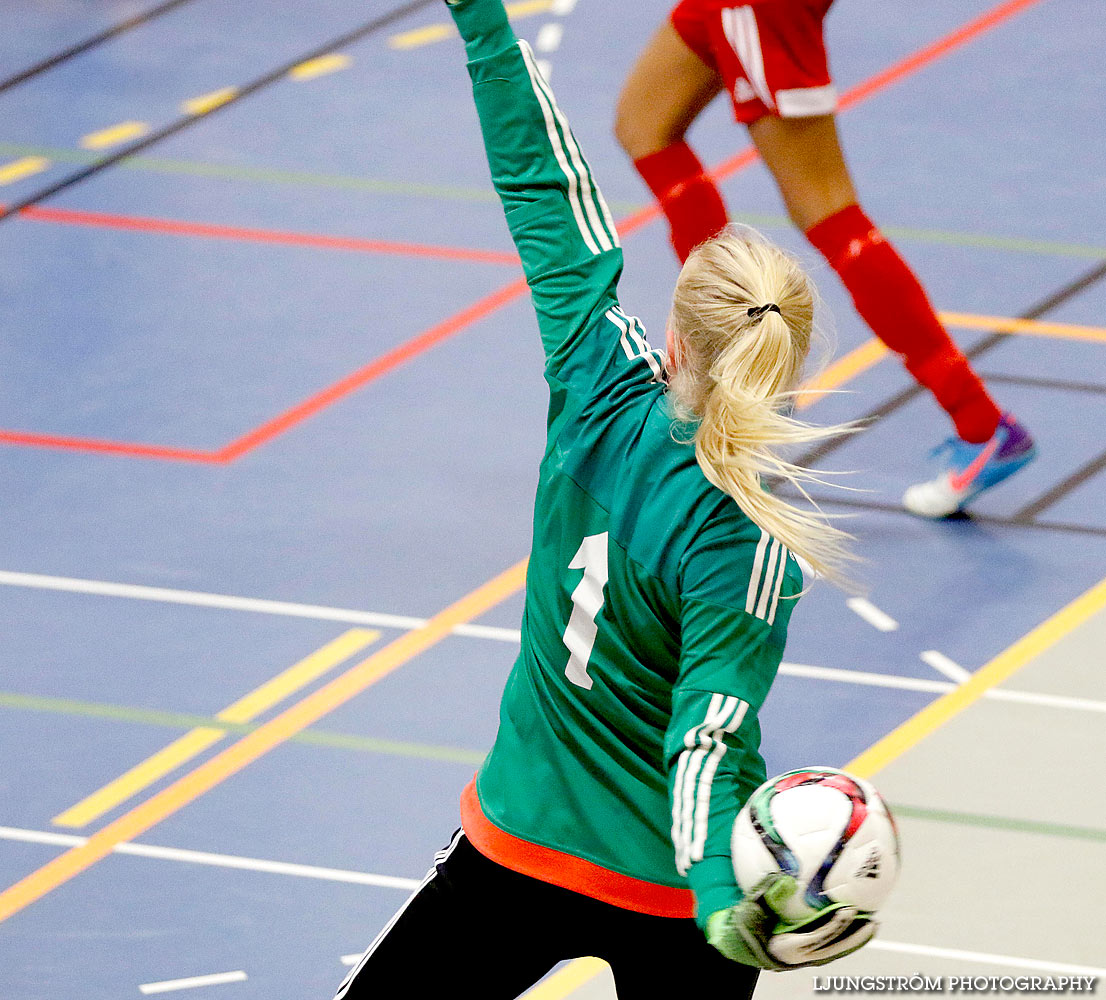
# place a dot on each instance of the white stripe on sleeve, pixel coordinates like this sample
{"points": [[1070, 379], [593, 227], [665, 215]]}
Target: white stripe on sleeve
{"points": [[695, 770], [785, 554], [754, 578], [706, 782], [686, 771], [769, 579], [593, 203], [634, 345], [558, 150]]}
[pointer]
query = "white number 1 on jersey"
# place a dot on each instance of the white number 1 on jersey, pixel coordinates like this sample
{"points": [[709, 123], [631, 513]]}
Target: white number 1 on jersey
{"points": [[587, 601]]}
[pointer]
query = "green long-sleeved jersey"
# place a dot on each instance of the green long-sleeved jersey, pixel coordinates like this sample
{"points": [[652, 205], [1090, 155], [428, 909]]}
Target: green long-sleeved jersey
{"points": [[656, 610]]}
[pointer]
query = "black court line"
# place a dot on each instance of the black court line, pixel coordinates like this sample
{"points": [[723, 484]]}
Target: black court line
{"points": [[90, 43], [992, 340], [343, 41], [1092, 468], [1031, 511], [1017, 521], [1059, 384]]}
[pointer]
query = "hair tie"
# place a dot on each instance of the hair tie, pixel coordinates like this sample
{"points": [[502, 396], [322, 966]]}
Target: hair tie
{"points": [[757, 311]]}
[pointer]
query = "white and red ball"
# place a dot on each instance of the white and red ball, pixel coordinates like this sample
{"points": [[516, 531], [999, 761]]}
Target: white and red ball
{"points": [[831, 830]]}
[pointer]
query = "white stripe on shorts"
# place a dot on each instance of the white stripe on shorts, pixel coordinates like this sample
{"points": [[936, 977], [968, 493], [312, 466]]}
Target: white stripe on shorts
{"points": [[740, 27], [441, 856], [804, 102]]}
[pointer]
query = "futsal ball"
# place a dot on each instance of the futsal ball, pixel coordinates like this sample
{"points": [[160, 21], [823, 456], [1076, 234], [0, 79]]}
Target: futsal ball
{"points": [[830, 830]]}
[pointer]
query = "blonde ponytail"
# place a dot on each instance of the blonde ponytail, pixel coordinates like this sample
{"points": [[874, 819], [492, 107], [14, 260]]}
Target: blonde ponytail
{"points": [[742, 319]]}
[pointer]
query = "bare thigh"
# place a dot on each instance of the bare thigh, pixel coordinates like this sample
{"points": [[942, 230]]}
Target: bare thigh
{"points": [[665, 91], [805, 157]]}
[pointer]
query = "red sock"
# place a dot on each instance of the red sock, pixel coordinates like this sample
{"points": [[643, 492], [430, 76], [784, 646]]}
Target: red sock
{"points": [[893, 303], [688, 197]]}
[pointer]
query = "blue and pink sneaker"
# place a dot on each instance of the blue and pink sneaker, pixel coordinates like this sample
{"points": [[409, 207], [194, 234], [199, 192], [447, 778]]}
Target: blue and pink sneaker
{"points": [[969, 469]]}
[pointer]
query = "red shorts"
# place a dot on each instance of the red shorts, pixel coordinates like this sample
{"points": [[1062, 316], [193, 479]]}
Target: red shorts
{"points": [[770, 54]]}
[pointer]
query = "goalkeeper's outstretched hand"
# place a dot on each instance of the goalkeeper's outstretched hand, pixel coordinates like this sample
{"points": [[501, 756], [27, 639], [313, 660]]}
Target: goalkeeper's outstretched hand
{"points": [[752, 932]]}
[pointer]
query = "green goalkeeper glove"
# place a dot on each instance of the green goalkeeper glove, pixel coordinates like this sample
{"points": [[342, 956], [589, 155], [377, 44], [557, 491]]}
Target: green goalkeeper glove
{"points": [[753, 934]]}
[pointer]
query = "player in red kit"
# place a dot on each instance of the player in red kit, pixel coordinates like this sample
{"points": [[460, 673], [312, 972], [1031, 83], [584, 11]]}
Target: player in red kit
{"points": [[770, 57]]}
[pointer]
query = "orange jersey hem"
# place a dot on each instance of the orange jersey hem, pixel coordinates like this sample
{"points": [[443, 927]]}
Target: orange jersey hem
{"points": [[568, 871]]}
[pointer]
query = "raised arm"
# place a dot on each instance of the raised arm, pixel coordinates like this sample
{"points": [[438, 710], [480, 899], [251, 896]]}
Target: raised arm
{"points": [[556, 214]]}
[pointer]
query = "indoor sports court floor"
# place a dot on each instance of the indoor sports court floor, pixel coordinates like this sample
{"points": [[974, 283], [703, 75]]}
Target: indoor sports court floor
{"points": [[271, 416]]}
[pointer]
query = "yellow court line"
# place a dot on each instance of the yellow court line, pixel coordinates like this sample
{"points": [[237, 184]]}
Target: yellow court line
{"points": [[850, 365], [155, 767], [1033, 327], [524, 8], [256, 744], [1000, 669], [871, 351], [436, 32], [330, 63], [113, 135], [18, 169], [421, 36], [208, 102], [193, 743]]}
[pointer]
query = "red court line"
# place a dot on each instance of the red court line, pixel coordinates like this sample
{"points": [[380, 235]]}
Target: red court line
{"points": [[931, 53], [489, 304], [175, 227], [109, 447], [380, 366]]}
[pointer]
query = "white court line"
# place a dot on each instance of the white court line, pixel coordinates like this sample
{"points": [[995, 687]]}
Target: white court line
{"points": [[495, 632], [864, 677], [228, 602], [562, 8], [1048, 700], [218, 860], [217, 979], [104, 588], [985, 958], [943, 665], [386, 881], [871, 614]]}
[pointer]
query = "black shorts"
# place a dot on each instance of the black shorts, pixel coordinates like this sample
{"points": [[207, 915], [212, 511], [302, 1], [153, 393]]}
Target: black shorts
{"points": [[477, 925]]}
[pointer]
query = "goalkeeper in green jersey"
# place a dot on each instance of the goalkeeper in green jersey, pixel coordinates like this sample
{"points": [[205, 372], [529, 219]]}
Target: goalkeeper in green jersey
{"points": [[661, 580]]}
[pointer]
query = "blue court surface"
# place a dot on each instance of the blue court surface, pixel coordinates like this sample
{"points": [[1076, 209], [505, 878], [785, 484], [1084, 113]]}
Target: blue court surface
{"points": [[272, 403]]}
